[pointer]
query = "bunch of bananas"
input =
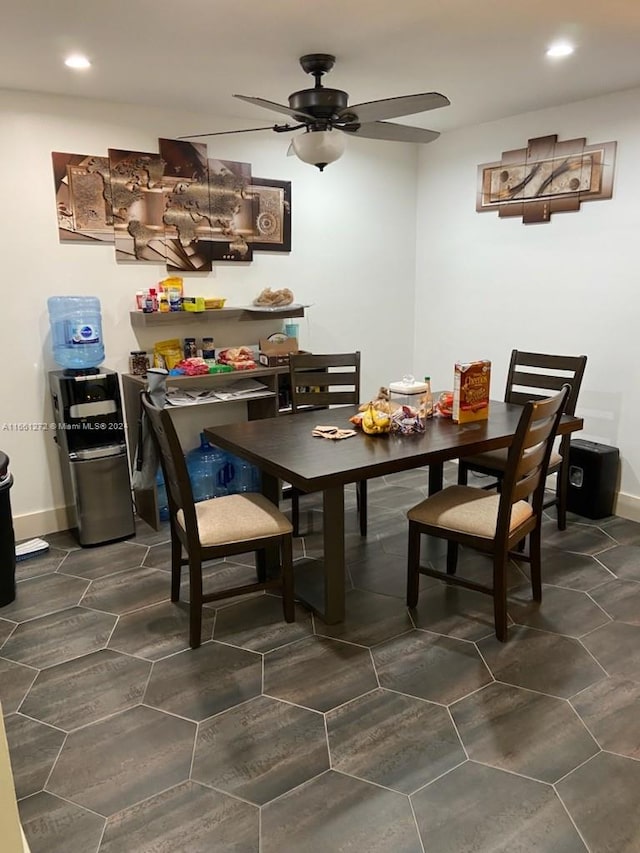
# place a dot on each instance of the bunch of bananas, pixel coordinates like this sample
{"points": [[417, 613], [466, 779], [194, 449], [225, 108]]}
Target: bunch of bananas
{"points": [[375, 421]]}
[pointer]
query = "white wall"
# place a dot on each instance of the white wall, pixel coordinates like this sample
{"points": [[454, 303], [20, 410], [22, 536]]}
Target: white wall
{"points": [[486, 285], [353, 259]]}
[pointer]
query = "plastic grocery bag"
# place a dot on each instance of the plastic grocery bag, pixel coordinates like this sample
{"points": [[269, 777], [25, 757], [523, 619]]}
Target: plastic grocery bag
{"points": [[147, 460]]}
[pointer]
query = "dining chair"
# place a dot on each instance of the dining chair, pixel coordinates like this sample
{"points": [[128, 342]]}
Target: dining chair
{"points": [[493, 523], [534, 376], [321, 381], [219, 527]]}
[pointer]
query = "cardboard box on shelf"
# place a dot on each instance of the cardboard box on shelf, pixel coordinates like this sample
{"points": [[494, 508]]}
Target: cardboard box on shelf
{"points": [[274, 354], [471, 385]]}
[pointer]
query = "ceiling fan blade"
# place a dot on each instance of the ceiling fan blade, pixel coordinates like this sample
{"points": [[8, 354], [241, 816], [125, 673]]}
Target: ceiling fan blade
{"points": [[271, 105], [392, 132], [393, 107], [225, 132]]}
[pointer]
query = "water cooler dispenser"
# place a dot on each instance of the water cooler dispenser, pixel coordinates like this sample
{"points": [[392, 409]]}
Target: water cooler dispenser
{"points": [[93, 454]]}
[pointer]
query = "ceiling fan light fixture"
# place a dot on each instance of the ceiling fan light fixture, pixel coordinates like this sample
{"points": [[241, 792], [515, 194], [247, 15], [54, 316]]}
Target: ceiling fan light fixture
{"points": [[319, 147]]}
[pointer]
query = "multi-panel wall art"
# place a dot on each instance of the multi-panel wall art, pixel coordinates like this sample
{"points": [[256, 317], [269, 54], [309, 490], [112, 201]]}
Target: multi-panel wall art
{"points": [[178, 206], [546, 177]]}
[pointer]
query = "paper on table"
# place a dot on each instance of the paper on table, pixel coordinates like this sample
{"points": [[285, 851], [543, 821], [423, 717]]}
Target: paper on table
{"points": [[231, 391]]}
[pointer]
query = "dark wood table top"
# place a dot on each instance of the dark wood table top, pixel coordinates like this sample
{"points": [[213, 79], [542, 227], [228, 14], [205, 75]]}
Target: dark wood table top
{"points": [[285, 448]]}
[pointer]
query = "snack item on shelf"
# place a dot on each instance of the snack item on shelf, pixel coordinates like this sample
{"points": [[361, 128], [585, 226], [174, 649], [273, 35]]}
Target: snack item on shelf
{"points": [[274, 298], [193, 366], [172, 282], [167, 354], [213, 302], [240, 358]]}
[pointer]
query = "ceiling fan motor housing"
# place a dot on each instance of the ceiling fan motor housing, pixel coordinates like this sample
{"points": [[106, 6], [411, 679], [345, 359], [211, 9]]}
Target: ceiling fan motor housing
{"points": [[321, 103]]}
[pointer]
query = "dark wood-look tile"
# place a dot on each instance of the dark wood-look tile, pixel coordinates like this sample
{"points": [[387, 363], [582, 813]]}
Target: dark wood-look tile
{"points": [[620, 599], [440, 669], [561, 611], [87, 689], [477, 809], [309, 576], [616, 647], [522, 731], [201, 682], [221, 575], [66, 540], [396, 543], [146, 535], [45, 594], [318, 673], [356, 547], [261, 749], [40, 564], [6, 629], [338, 813], [542, 661], [93, 563], [159, 557], [127, 591], [623, 561], [15, 681], [396, 741], [611, 711], [603, 798], [370, 619], [52, 825], [113, 764], [33, 748], [453, 611], [398, 498], [572, 571], [58, 637], [385, 574], [623, 530], [416, 478], [188, 818], [257, 623], [577, 538], [158, 631], [478, 568]]}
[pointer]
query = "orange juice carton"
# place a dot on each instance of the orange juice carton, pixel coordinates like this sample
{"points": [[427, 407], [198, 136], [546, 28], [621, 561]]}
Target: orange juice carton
{"points": [[471, 391]]}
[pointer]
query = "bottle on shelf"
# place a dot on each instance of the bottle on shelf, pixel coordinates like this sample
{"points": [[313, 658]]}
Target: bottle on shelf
{"points": [[428, 398], [190, 350]]}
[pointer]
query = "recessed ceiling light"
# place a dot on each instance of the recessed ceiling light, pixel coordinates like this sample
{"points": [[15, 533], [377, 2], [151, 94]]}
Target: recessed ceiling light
{"points": [[77, 61], [561, 48]]}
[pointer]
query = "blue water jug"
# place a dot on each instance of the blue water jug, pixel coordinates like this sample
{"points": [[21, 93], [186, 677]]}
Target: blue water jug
{"points": [[245, 476], [163, 502], [204, 463], [76, 331]]}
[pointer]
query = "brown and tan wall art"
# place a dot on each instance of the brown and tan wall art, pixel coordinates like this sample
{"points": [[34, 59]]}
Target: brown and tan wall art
{"points": [[177, 207]]}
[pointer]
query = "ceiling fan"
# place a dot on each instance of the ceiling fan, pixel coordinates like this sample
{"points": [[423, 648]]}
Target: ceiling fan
{"points": [[327, 117]]}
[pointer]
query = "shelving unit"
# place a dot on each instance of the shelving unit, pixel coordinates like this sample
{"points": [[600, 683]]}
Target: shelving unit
{"points": [[141, 320], [260, 406]]}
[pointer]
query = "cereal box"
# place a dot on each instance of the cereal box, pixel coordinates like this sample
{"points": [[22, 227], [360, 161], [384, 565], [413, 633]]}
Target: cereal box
{"points": [[471, 391]]}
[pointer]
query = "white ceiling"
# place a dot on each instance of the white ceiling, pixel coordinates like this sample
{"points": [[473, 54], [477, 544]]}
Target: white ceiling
{"points": [[486, 56]]}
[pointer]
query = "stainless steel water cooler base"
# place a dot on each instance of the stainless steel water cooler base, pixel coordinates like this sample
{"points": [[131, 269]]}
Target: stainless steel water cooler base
{"points": [[100, 485]]}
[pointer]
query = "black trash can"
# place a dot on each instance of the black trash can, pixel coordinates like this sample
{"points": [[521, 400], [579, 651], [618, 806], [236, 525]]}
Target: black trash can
{"points": [[593, 477], [7, 537]]}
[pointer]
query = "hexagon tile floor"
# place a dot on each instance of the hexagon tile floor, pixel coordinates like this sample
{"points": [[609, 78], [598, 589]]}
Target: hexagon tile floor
{"points": [[394, 732]]}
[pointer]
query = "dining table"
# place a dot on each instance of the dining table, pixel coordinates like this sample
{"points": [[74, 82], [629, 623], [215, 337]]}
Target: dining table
{"points": [[285, 449]]}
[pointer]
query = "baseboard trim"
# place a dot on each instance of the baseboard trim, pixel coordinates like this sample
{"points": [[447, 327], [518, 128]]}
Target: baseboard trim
{"points": [[33, 524], [628, 506]]}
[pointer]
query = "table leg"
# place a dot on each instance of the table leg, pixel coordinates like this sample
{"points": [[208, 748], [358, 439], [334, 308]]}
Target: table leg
{"points": [[435, 477], [268, 559], [334, 568]]}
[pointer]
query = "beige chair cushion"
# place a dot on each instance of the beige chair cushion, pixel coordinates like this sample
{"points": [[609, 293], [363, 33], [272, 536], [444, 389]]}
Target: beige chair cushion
{"points": [[467, 509], [235, 518], [497, 460]]}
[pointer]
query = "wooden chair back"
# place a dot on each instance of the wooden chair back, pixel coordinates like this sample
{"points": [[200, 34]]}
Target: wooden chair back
{"points": [[324, 380], [528, 458], [174, 467], [535, 376]]}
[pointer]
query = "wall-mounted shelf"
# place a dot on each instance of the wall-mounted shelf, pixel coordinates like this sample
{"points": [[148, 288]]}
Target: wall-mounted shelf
{"points": [[250, 312]]}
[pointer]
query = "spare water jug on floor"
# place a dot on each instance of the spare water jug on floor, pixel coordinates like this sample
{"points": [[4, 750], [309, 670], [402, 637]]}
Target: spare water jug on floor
{"points": [[204, 464], [76, 331]]}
